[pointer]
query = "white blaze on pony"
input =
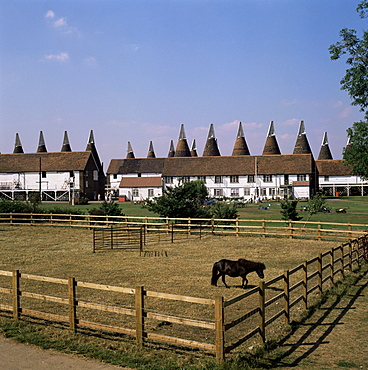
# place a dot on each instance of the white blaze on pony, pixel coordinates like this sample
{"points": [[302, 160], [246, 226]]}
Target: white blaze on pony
{"points": [[241, 267]]}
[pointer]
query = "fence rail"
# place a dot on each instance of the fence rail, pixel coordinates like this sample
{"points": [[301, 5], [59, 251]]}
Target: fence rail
{"points": [[295, 289], [198, 226]]}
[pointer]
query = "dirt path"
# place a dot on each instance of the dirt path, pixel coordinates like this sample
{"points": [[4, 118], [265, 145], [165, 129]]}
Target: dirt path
{"points": [[335, 337], [18, 356]]}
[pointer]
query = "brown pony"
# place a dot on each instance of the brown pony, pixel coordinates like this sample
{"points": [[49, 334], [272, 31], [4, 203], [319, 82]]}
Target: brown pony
{"points": [[241, 267]]}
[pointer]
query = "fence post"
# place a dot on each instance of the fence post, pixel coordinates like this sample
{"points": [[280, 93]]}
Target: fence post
{"points": [[172, 233], [213, 225], [16, 294], [287, 296], [189, 230], [94, 240], [319, 268], [290, 229], [219, 329], [350, 256], [262, 312], [305, 284], [319, 231], [263, 228], [237, 226], [349, 228], [332, 263], [139, 311], [342, 261], [72, 304]]}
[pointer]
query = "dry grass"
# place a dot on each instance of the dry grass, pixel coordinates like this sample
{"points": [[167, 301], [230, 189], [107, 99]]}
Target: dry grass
{"points": [[66, 252]]}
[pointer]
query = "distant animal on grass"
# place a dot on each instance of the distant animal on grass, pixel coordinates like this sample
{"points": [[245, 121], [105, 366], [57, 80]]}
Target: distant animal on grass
{"points": [[241, 267]]}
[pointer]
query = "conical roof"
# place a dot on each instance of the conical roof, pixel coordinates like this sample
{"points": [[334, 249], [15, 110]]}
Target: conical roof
{"points": [[271, 146], [130, 153], [91, 141], [240, 147], [151, 152], [18, 145], [41, 144], [211, 149], [302, 145], [182, 148], [66, 146], [193, 149], [171, 150], [325, 152]]}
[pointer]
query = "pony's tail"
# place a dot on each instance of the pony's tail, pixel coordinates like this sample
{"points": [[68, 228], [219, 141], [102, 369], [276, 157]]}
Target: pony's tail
{"points": [[214, 275]]}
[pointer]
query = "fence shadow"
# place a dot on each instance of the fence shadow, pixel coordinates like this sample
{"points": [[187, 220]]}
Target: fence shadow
{"points": [[314, 334]]}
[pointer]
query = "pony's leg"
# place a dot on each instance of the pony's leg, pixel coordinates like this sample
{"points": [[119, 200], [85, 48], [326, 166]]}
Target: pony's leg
{"points": [[223, 280], [246, 282]]}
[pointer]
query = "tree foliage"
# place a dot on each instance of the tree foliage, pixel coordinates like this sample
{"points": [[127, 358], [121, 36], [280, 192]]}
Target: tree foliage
{"points": [[355, 82], [288, 210], [184, 200]]}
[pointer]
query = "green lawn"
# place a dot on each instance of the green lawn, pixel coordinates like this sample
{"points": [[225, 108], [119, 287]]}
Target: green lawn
{"points": [[356, 210]]}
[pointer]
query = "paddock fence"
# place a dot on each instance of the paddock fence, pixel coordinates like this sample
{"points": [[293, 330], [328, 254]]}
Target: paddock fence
{"points": [[118, 238], [175, 228], [215, 326]]}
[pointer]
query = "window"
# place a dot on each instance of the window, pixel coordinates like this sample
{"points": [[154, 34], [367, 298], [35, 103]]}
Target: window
{"points": [[203, 178], [44, 174], [218, 179], [169, 180], [246, 191], [95, 175], [150, 192], [327, 178], [302, 178], [217, 192], [87, 184], [267, 178], [234, 192], [263, 191], [272, 192], [115, 176], [234, 179], [87, 173], [185, 179], [286, 179], [71, 173], [135, 192], [250, 178]]}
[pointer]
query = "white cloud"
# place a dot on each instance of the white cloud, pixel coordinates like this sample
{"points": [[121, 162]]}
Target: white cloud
{"points": [[60, 23], [50, 14], [61, 57], [290, 122]]}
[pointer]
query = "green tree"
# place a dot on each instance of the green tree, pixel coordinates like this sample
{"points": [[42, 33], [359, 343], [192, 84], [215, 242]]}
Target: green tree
{"points": [[288, 210], [355, 82], [184, 200], [107, 209], [222, 210]]}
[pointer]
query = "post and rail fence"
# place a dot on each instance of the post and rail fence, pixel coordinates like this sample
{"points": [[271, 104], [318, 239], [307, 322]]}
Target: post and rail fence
{"points": [[219, 326], [198, 226]]}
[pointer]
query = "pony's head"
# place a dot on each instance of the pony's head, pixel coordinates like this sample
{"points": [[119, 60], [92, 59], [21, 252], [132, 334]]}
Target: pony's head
{"points": [[260, 269]]}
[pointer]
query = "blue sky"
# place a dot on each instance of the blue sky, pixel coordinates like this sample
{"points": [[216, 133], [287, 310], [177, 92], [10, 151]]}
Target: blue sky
{"points": [[134, 70]]}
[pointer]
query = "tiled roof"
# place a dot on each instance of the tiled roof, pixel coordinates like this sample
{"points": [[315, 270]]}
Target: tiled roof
{"points": [[136, 165], [239, 165], [271, 146], [325, 153], [135, 182], [50, 162], [302, 145], [333, 167]]}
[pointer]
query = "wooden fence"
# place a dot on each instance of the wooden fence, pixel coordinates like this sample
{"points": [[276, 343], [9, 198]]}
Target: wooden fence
{"points": [[118, 238], [199, 226], [220, 325]]}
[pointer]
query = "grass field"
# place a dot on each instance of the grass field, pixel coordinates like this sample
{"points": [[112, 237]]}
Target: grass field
{"points": [[64, 252], [356, 210]]}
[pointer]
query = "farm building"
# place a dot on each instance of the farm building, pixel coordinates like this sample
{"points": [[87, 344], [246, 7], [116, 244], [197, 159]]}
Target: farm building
{"points": [[64, 175], [335, 177], [239, 176]]}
